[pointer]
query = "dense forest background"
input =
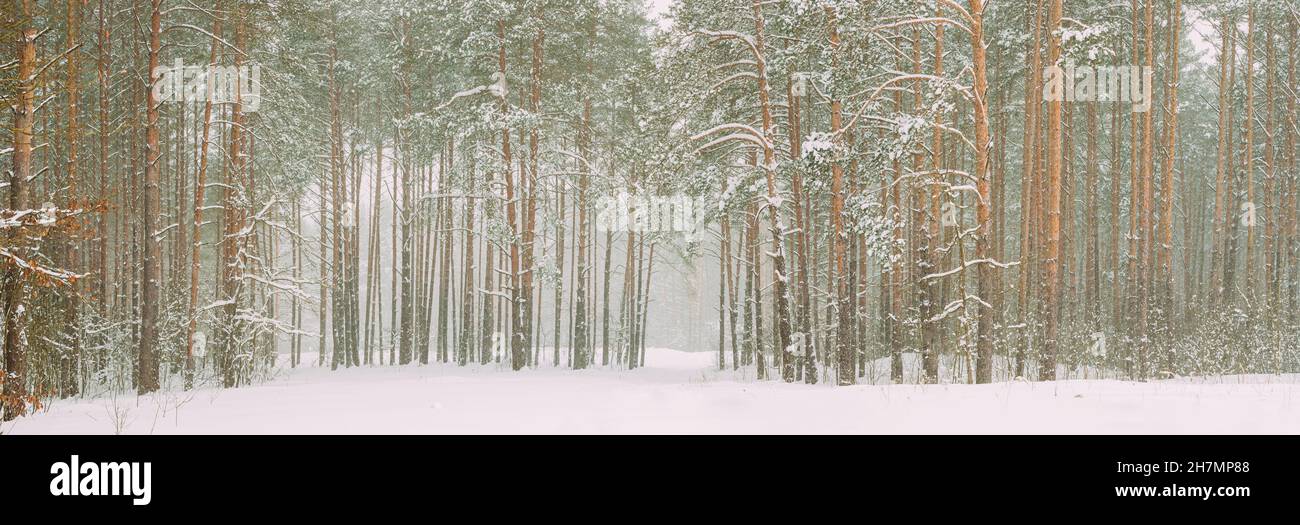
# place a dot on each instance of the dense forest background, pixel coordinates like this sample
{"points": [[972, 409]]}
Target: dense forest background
{"points": [[403, 182]]}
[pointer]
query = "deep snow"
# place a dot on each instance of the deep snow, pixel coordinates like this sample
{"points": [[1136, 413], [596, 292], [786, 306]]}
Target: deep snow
{"points": [[676, 393]]}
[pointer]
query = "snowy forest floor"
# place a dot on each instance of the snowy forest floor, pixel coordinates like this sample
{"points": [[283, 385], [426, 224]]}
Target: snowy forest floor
{"points": [[676, 393]]}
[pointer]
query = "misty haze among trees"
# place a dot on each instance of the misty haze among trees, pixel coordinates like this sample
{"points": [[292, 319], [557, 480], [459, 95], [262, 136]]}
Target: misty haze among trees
{"points": [[901, 184]]}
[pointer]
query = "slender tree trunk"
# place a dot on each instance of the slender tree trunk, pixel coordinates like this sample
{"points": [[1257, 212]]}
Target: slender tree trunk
{"points": [[801, 221], [1249, 174], [406, 326], [102, 75], [580, 349], [984, 235], [72, 257], [468, 268], [932, 286], [374, 295], [604, 323], [1226, 49], [845, 370], [1033, 82], [518, 343], [780, 276], [152, 275], [200, 187], [15, 289], [1052, 262], [1166, 272]]}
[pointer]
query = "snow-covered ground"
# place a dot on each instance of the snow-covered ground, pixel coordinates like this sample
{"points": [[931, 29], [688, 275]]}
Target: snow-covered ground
{"points": [[676, 393]]}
